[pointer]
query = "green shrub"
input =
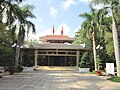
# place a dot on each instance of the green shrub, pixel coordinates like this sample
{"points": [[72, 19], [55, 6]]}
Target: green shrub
{"points": [[93, 72], [85, 63], [7, 56], [20, 68], [114, 79]]}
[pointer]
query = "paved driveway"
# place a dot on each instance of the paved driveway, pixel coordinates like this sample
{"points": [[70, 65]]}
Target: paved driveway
{"points": [[56, 80]]}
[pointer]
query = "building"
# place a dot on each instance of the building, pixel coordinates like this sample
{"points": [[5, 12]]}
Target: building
{"points": [[56, 39], [55, 50]]}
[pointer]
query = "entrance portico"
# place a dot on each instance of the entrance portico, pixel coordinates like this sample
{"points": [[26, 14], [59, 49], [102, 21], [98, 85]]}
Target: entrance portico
{"points": [[55, 50], [56, 61], [57, 55]]}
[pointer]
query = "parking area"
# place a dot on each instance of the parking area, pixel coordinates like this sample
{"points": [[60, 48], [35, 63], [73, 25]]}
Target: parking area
{"points": [[56, 80]]}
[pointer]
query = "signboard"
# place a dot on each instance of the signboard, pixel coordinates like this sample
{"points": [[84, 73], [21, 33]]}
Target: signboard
{"points": [[110, 68]]}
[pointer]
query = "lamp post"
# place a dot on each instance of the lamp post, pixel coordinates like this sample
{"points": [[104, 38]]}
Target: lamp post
{"points": [[98, 48]]}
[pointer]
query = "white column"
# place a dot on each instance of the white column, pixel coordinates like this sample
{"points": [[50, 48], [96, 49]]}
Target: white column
{"points": [[35, 56], [65, 60], [56, 51], [77, 58], [48, 60]]}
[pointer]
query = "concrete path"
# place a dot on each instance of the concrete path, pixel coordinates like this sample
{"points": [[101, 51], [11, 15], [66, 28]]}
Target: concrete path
{"points": [[56, 80]]}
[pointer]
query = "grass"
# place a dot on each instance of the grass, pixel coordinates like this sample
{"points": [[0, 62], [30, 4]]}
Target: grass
{"points": [[114, 79], [93, 72], [102, 72]]}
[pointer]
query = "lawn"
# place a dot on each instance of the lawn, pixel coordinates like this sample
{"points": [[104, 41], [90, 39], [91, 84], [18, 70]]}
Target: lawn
{"points": [[114, 79]]}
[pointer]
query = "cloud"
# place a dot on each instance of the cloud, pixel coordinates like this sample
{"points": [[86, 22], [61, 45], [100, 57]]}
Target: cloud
{"points": [[100, 6], [40, 33], [44, 32], [36, 34], [40, 20], [68, 3], [76, 30], [85, 1], [66, 29], [53, 12], [49, 1]]}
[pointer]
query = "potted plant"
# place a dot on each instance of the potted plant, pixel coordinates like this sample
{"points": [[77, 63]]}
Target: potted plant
{"points": [[98, 73]]}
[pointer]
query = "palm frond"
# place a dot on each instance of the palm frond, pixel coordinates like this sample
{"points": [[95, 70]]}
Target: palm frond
{"points": [[31, 26]]}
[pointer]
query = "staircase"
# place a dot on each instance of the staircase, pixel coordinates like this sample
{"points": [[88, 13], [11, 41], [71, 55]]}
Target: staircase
{"points": [[57, 68]]}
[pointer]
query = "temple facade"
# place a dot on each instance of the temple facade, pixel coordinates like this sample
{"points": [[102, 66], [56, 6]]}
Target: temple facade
{"points": [[54, 50]]}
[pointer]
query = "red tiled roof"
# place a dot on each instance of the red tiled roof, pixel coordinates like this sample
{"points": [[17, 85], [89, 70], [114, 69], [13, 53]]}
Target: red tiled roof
{"points": [[56, 37]]}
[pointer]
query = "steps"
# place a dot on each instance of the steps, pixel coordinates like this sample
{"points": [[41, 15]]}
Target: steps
{"points": [[57, 68], [28, 68]]}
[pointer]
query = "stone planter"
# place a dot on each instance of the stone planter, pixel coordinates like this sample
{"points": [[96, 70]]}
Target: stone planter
{"points": [[84, 69]]}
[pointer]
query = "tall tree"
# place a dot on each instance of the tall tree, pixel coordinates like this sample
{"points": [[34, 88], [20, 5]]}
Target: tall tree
{"points": [[8, 16], [24, 27], [89, 27], [92, 25], [114, 6], [17, 21]]}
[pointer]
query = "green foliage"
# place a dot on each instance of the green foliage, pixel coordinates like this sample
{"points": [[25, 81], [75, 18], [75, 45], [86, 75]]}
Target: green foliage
{"points": [[99, 62], [16, 26], [109, 47], [100, 22], [81, 37], [31, 41], [7, 56], [19, 69], [114, 79], [93, 72], [85, 63], [6, 39], [28, 58], [112, 23]]}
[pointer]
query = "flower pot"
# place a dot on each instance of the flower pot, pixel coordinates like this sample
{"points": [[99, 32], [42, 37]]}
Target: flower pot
{"points": [[98, 73]]}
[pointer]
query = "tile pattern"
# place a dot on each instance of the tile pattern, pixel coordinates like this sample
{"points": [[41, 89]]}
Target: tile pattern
{"points": [[56, 80]]}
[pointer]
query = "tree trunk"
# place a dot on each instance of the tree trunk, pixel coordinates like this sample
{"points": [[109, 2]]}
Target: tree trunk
{"points": [[116, 45], [94, 51], [17, 56], [91, 62]]}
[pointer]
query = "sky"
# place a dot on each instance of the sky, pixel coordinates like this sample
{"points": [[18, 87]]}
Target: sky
{"points": [[58, 13]]}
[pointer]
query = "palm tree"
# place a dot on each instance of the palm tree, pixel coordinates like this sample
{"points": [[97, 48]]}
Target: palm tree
{"points": [[114, 6], [24, 26], [7, 3], [8, 10], [88, 25], [17, 20], [91, 26]]}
